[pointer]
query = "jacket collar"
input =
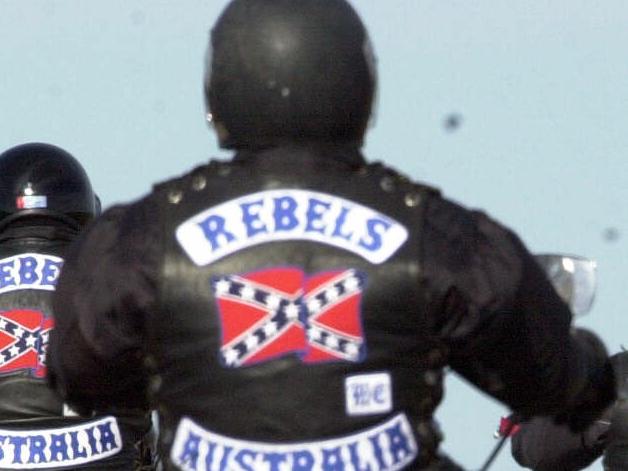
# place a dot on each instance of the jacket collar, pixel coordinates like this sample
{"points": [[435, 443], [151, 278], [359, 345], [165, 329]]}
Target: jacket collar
{"points": [[344, 154]]}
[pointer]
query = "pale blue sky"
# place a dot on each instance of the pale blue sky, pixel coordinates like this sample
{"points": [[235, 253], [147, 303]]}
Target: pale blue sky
{"points": [[541, 88]]}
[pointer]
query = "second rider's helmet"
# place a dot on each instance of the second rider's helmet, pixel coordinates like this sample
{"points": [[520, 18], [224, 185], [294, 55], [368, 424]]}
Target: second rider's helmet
{"points": [[44, 180]]}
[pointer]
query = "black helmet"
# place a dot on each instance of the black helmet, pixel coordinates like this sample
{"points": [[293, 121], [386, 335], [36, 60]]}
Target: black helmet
{"points": [[44, 180], [286, 70]]}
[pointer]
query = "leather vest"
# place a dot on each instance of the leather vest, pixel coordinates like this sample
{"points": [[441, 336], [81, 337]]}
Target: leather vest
{"points": [[37, 428], [28, 274], [294, 338]]}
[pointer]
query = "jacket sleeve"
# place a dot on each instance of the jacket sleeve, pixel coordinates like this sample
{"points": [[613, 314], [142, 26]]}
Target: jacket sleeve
{"points": [[106, 286], [506, 329]]}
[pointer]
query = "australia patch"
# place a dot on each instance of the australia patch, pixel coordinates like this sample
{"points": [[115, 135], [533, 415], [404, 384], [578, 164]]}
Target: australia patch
{"points": [[56, 448], [388, 446], [283, 311]]}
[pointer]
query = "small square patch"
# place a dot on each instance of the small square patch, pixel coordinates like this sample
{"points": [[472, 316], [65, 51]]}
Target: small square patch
{"points": [[368, 394]]}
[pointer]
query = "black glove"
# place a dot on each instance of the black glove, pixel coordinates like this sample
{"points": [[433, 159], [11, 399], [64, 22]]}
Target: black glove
{"points": [[599, 391], [616, 455]]}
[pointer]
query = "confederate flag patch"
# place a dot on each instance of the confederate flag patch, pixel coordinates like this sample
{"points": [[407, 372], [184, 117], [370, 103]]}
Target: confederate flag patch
{"points": [[23, 341], [283, 311]]}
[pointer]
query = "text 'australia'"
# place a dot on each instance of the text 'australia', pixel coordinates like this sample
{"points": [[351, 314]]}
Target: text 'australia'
{"points": [[53, 448]]}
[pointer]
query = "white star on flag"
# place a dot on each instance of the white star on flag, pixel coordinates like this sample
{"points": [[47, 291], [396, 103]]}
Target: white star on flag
{"points": [[222, 287], [231, 356], [351, 283], [313, 305], [352, 349], [292, 311], [333, 294], [332, 341], [270, 328], [273, 301], [248, 293], [251, 342], [314, 333]]}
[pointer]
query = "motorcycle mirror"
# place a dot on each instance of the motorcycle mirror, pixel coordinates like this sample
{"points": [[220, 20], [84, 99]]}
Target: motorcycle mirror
{"points": [[574, 278]]}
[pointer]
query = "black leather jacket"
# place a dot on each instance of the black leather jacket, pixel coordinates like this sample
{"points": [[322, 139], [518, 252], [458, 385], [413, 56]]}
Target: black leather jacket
{"points": [[36, 426], [297, 305]]}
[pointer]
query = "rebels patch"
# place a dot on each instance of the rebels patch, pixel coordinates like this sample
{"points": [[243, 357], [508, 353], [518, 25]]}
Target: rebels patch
{"points": [[283, 311], [60, 447], [276, 215], [389, 446], [29, 271], [24, 338]]}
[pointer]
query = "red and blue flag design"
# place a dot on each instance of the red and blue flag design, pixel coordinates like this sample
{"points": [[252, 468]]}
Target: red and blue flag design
{"points": [[24, 337], [282, 311]]}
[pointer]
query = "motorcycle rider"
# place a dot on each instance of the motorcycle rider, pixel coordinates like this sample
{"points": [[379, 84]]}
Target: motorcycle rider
{"points": [[46, 199], [294, 307]]}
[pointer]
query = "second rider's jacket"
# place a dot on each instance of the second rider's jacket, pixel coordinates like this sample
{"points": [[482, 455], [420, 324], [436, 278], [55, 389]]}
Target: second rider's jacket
{"points": [[294, 308], [37, 429]]}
